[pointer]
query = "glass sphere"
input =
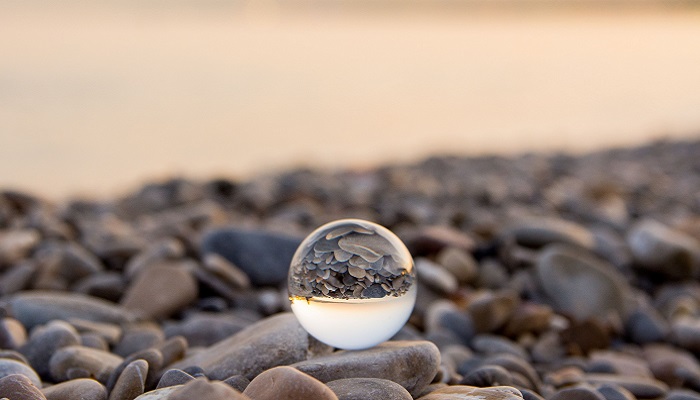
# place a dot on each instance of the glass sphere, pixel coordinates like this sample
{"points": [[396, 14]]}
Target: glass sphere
{"points": [[352, 284]]}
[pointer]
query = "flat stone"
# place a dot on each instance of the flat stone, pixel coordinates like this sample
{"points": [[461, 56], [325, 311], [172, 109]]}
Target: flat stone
{"points": [[263, 256], [368, 388], [12, 367], [37, 308], [289, 383], [580, 285], [19, 387], [96, 363], [413, 365], [83, 389], [45, 341], [277, 340], [160, 291], [461, 392], [658, 248], [131, 382]]}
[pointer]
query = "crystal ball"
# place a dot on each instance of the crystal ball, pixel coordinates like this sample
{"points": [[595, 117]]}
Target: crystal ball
{"points": [[352, 284]]}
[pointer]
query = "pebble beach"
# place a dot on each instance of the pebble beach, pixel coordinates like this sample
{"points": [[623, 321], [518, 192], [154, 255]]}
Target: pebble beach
{"points": [[539, 276]]}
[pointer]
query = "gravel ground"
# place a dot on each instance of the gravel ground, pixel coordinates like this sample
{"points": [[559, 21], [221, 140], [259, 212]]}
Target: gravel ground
{"points": [[539, 276]]}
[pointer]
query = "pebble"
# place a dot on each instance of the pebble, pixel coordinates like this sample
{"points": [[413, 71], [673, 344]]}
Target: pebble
{"points": [[70, 361], [673, 366], [160, 394], [173, 349], [432, 239], [160, 291], [614, 392], [686, 333], [111, 333], [13, 367], [76, 389], [473, 393], [488, 375], [174, 377], [228, 272], [569, 275], [680, 394], [459, 263], [368, 388], [12, 333], [202, 389], [491, 310], [106, 285], [131, 382], [289, 383], [436, 277], [153, 359], [658, 248], [18, 278], [277, 340], [539, 232], [577, 393], [488, 344], [646, 325], [44, 341], [263, 256], [62, 264], [15, 244], [388, 360], [444, 315], [139, 337], [165, 249], [38, 308], [528, 317], [238, 382], [641, 387], [19, 387]]}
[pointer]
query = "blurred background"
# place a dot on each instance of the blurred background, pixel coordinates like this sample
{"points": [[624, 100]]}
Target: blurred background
{"points": [[97, 97]]}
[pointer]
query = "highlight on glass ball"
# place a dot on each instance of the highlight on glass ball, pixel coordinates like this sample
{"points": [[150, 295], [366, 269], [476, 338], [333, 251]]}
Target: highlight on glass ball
{"points": [[352, 284]]}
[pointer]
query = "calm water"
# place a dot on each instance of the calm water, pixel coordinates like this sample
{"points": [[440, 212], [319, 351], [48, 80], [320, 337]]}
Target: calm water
{"points": [[95, 99]]}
